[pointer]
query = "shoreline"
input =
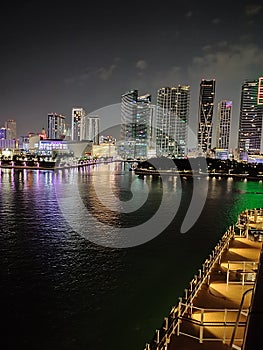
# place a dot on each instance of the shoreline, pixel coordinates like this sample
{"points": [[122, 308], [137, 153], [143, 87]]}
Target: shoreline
{"points": [[48, 167], [145, 172]]}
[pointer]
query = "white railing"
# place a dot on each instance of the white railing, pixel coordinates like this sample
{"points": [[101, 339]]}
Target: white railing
{"points": [[172, 323], [244, 272], [219, 320]]}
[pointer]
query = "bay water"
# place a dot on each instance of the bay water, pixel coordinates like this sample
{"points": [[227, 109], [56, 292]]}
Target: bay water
{"points": [[60, 290]]}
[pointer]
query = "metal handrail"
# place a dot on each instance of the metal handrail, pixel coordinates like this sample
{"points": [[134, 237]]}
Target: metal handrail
{"points": [[166, 331], [238, 318]]}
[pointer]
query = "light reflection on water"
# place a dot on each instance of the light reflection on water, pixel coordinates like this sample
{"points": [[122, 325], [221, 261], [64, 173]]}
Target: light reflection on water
{"points": [[60, 291]]}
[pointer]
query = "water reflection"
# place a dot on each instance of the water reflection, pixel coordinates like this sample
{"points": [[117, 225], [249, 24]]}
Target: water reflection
{"points": [[65, 285]]}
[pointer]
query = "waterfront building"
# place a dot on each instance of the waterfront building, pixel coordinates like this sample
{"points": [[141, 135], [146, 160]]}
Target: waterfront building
{"points": [[172, 116], [107, 139], [23, 142], [104, 150], [93, 128], [205, 115], [7, 144], [2, 133], [56, 126], [260, 91], [46, 147], [68, 131], [224, 113], [78, 124], [251, 118], [75, 149], [80, 149], [151, 152], [43, 134], [33, 144], [136, 118], [143, 126], [10, 126]]}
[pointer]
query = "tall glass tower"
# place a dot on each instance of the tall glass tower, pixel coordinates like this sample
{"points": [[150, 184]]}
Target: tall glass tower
{"points": [[172, 115], [224, 112], [93, 128], [128, 115], [251, 118], [10, 126], [205, 114], [56, 126], [78, 124], [136, 114]]}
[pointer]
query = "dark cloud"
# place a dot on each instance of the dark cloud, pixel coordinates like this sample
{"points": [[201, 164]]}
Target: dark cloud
{"points": [[253, 9], [141, 64]]}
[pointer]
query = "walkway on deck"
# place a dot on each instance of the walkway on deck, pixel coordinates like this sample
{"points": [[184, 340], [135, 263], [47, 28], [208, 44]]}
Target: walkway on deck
{"points": [[213, 312]]}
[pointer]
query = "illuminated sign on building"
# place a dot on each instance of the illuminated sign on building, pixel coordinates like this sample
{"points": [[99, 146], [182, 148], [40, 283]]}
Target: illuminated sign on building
{"points": [[49, 145], [228, 104], [260, 91]]}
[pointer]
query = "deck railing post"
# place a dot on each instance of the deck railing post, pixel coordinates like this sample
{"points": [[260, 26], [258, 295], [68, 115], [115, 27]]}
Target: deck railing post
{"points": [[166, 323], [196, 280], [191, 286], [208, 279], [225, 319], [157, 336], [186, 293], [201, 333], [179, 315]]}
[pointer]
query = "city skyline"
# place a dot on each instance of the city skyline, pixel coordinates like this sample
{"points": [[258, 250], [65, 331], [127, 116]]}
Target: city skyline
{"points": [[172, 103], [95, 52]]}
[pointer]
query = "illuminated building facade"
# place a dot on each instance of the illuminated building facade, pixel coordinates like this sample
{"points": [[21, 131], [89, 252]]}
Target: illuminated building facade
{"points": [[10, 144], [2, 133], [260, 91], [47, 146], [172, 115], [205, 114], [251, 118], [136, 116], [55, 126], [78, 124], [224, 113], [10, 126], [93, 129]]}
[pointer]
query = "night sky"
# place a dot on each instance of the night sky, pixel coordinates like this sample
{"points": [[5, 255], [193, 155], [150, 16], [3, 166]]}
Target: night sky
{"points": [[57, 55]]}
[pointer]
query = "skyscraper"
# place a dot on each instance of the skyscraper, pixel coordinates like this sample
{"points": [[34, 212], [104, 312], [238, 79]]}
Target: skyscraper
{"points": [[93, 129], [251, 117], [136, 114], [10, 126], [3, 133], [260, 91], [172, 115], [78, 124], [128, 115], [205, 114], [55, 126], [224, 112]]}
